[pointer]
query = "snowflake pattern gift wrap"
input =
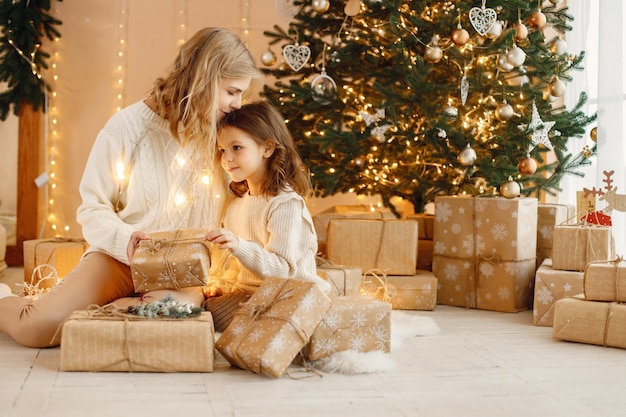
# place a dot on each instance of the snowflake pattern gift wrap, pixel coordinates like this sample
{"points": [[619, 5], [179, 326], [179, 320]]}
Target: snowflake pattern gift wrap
{"points": [[403, 292], [552, 285], [548, 216], [113, 341], [273, 326], [485, 252], [171, 260], [358, 323]]}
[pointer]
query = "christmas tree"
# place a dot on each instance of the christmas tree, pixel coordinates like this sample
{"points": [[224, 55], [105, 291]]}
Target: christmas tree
{"points": [[415, 99]]}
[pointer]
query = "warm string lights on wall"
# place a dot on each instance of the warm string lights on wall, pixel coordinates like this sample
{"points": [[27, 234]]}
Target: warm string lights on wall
{"points": [[121, 56], [244, 22], [182, 21]]}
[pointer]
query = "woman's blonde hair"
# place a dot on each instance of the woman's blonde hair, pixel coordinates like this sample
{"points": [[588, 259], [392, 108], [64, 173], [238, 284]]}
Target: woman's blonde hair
{"points": [[188, 97]]}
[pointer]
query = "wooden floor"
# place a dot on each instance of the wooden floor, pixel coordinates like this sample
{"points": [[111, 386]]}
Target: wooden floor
{"points": [[478, 363]]}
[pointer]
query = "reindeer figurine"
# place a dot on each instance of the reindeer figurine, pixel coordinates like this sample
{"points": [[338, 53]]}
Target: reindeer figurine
{"points": [[614, 201]]}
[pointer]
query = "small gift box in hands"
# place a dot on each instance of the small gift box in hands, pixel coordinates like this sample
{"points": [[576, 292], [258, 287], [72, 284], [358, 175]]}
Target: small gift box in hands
{"points": [[171, 260]]}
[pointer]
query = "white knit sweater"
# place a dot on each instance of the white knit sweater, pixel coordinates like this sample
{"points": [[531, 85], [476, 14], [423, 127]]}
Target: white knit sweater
{"points": [[157, 193], [276, 239]]}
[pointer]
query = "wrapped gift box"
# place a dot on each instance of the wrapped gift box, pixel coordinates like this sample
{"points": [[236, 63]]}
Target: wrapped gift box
{"points": [[171, 260], [592, 322], [548, 216], [574, 246], [403, 292], [322, 220], [605, 281], [356, 323], [552, 285], [97, 340], [389, 245], [344, 280], [60, 253], [273, 326], [485, 252], [425, 225]]}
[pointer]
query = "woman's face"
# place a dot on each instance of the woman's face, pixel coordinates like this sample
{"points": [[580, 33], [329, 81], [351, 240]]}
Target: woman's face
{"points": [[230, 93]]}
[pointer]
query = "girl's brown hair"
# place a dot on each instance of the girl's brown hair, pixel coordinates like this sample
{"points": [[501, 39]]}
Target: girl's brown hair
{"points": [[188, 97], [285, 171]]}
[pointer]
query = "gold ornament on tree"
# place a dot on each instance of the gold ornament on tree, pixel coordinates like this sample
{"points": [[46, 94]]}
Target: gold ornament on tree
{"points": [[433, 53], [504, 111], [510, 189], [557, 88], [352, 8], [594, 134], [320, 6], [268, 58], [467, 157], [537, 19], [527, 165]]}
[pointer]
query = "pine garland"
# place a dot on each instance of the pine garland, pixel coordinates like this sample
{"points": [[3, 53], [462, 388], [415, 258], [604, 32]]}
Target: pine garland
{"points": [[24, 24], [166, 307]]}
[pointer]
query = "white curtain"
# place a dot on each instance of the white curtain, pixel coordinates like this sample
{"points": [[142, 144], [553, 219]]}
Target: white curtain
{"points": [[598, 30]]}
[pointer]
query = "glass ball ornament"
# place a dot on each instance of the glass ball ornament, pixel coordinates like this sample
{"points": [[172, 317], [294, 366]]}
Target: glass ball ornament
{"points": [[320, 6], [594, 134], [503, 63], [504, 111], [521, 31], [557, 87], [537, 20], [527, 165], [510, 189], [558, 46], [268, 58], [467, 156], [323, 88], [516, 56], [495, 30], [460, 36]]}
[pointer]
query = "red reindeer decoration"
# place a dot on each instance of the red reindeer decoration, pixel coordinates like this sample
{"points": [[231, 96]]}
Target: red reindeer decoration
{"points": [[614, 202]]}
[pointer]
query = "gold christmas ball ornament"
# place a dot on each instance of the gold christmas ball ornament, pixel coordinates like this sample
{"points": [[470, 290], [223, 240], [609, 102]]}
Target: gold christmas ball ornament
{"points": [[433, 52], [320, 6], [557, 88], [467, 156], [460, 36], [594, 134], [516, 56], [527, 165], [537, 20], [510, 189], [558, 46], [504, 111], [268, 58], [521, 31]]}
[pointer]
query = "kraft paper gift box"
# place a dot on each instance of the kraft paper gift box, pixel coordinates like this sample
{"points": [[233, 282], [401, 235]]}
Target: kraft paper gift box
{"points": [[388, 245], [552, 285], [171, 260], [591, 322], [102, 340], [357, 323], [548, 216], [273, 326], [322, 220], [574, 246], [344, 280], [485, 252], [403, 292], [60, 253], [605, 281], [425, 225]]}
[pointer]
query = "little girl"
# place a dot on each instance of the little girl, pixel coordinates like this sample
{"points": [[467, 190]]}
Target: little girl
{"points": [[267, 227]]}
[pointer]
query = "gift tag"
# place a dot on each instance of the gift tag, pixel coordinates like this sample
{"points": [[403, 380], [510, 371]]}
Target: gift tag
{"points": [[296, 56]]}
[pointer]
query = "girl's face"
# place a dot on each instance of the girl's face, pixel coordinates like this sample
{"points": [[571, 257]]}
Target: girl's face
{"points": [[243, 158], [230, 93]]}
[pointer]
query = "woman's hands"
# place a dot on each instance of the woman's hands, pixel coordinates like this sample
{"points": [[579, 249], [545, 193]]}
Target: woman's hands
{"points": [[224, 237], [135, 238]]}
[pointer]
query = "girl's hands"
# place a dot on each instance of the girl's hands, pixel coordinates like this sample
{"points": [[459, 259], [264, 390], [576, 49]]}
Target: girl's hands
{"points": [[224, 237], [135, 238]]}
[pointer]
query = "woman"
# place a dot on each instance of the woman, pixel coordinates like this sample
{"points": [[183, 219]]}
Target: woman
{"points": [[150, 170]]}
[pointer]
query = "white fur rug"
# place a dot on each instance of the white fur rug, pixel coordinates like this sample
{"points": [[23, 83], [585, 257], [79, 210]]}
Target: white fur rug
{"points": [[405, 325]]}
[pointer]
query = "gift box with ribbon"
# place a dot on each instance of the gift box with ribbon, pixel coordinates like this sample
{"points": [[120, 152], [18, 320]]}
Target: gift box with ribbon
{"points": [[575, 245], [548, 216], [110, 340], [344, 280], [58, 255], [592, 322], [552, 285], [403, 292], [357, 323], [171, 260], [273, 326], [389, 245], [605, 281], [485, 252]]}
